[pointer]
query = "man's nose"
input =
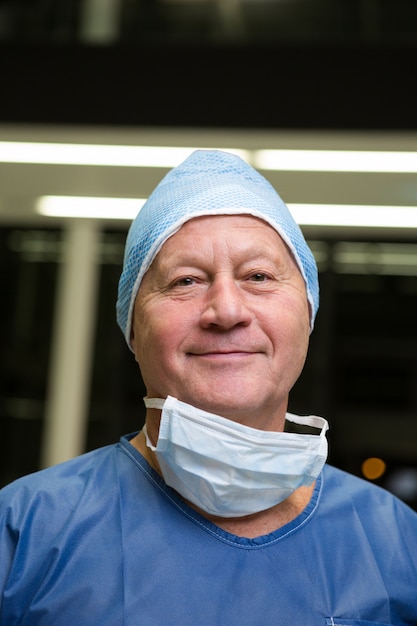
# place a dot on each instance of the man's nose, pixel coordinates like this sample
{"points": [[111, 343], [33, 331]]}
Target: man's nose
{"points": [[225, 305]]}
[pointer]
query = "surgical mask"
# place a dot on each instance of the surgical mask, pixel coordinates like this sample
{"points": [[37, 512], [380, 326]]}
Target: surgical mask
{"points": [[231, 470]]}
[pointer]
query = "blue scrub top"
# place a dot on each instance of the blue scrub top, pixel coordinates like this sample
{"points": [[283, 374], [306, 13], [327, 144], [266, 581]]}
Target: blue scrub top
{"points": [[102, 541]]}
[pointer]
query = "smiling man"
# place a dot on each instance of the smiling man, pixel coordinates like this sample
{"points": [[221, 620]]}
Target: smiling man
{"points": [[219, 511], [227, 312]]}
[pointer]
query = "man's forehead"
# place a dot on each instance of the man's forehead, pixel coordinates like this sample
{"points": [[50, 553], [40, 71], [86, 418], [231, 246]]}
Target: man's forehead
{"points": [[221, 228], [218, 226], [202, 239]]}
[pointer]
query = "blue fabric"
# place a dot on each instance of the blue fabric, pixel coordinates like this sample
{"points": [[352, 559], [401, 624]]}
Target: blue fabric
{"points": [[208, 182], [101, 541]]}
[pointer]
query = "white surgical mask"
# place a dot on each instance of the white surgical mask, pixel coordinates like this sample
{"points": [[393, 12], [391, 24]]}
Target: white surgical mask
{"points": [[231, 470]]}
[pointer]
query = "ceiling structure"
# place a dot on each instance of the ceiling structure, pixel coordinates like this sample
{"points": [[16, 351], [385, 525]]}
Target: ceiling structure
{"points": [[311, 74], [299, 64], [23, 183]]}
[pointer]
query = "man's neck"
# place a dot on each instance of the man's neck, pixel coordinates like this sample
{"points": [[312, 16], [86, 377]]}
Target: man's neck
{"points": [[265, 522], [249, 526]]}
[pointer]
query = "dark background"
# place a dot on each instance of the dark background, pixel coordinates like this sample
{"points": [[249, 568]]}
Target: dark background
{"points": [[300, 65]]}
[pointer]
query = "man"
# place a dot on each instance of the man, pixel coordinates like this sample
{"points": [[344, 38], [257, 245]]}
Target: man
{"points": [[217, 512]]}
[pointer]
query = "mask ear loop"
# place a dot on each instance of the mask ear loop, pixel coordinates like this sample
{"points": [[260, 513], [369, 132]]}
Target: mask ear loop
{"points": [[148, 441], [154, 403], [310, 420]]}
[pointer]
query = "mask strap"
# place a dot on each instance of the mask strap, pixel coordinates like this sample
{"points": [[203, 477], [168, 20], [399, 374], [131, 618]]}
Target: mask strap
{"points": [[148, 441], [154, 403], [306, 420], [309, 420]]}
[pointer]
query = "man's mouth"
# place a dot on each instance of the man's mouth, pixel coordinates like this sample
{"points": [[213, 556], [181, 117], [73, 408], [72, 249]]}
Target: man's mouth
{"points": [[223, 354]]}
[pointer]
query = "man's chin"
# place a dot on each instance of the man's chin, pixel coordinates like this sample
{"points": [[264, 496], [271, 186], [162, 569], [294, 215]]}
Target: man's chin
{"points": [[234, 407]]}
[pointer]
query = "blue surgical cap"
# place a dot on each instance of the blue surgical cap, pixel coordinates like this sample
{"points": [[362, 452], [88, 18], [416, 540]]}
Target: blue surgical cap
{"points": [[208, 182]]}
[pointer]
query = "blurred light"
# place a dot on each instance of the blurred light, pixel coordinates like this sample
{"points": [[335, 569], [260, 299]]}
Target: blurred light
{"points": [[403, 482], [170, 156], [369, 258], [89, 207], [335, 161], [95, 154], [355, 215], [373, 468], [304, 214]]}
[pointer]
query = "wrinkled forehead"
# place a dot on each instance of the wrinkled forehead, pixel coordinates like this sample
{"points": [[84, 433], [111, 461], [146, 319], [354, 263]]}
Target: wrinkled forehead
{"points": [[138, 261], [242, 234]]}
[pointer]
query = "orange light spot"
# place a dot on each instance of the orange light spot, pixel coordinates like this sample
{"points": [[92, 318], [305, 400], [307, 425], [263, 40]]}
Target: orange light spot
{"points": [[373, 468]]}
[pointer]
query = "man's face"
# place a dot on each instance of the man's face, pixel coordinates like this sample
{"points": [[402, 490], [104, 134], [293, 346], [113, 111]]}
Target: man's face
{"points": [[221, 320]]}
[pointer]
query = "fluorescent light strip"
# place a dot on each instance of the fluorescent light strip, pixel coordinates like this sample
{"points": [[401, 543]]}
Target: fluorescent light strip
{"points": [[335, 161], [354, 215], [305, 214], [99, 155], [363, 258], [89, 207], [169, 156]]}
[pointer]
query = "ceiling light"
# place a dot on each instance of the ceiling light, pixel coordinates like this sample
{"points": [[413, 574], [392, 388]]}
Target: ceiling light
{"points": [[89, 207], [95, 154], [304, 214], [170, 156], [354, 215], [335, 161]]}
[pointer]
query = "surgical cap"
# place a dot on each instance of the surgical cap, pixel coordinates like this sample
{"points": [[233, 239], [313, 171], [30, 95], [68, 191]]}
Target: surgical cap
{"points": [[208, 182]]}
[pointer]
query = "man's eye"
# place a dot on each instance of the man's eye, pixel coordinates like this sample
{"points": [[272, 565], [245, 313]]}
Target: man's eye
{"points": [[258, 277], [185, 281]]}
